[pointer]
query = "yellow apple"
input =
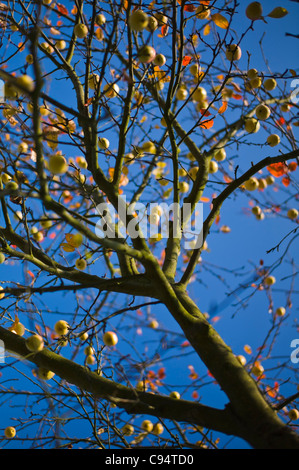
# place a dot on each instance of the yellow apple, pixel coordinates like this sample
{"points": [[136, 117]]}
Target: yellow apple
{"points": [[81, 30], [270, 280], [60, 44], [181, 94], [260, 216], [153, 324], [29, 59], [38, 236], [81, 264], [183, 187], [103, 143], [100, 19], [270, 180], [251, 184], [110, 338], [162, 19], [138, 20], [146, 54], [128, 429], [256, 82], [61, 327], [23, 147], [242, 359], [12, 186], [19, 329], [270, 84], [252, 125], [34, 343], [280, 311], [44, 374], [252, 73], [233, 52], [175, 395], [158, 429], [111, 90], [213, 167], [83, 336], [199, 94], [292, 214], [262, 112], [254, 11], [93, 81], [90, 359], [159, 60], [262, 183], [147, 425], [10, 432], [58, 164], [149, 147], [152, 24], [2, 258], [194, 69], [273, 140], [2, 295], [256, 210], [285, 108], [257, 369], [25, 82], [293, 414], [220, 155]]}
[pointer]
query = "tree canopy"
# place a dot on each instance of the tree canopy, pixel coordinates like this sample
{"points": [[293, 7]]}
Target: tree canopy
{"points": [[137, 139]]}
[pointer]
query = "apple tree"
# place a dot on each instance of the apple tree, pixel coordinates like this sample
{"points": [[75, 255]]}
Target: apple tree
{"points": [[127, 130]]}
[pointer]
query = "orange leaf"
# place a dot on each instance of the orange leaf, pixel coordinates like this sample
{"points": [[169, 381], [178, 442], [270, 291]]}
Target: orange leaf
{"points": [[215, 319], [220, 20], [205, 2], [186, 60], [236, 96], [217, 219], [195, 395], [285, 181], [277, 169], [205, 199], [223, 108], [207, 124], [161, 373], [164, 30], [292, 166], [31, 274], [247, 349]]}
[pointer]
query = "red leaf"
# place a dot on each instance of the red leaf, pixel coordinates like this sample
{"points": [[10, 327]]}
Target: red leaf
{"points": [[186, 60], [62, 9], [189, 8], [285, 181], [164, 30], [237, 97]]}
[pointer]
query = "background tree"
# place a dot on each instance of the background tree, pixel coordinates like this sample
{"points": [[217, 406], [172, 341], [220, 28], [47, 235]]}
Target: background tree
{"points": [[114, 106]]}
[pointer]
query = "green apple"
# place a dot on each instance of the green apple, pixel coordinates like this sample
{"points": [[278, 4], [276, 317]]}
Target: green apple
{"points": [[152, 24], [81, 264]]}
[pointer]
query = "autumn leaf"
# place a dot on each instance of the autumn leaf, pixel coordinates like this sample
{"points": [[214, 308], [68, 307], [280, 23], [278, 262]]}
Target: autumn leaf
{"points": [[277, 169], [247, 349], [205, 2], [207, 124], [207, 29], [190, 8], [220, 20], [223, 107], [186, 60], [285, 181], [164, 30], [62, 9]]}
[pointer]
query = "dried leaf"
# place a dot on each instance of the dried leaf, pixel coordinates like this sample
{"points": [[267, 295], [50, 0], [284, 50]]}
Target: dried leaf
{"points": [[220, 20], [207, 29]]}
